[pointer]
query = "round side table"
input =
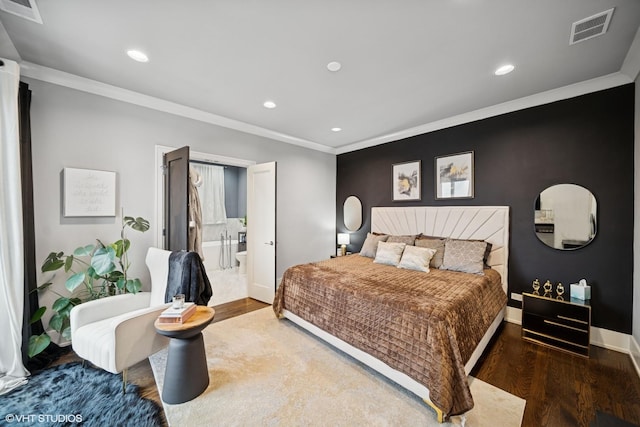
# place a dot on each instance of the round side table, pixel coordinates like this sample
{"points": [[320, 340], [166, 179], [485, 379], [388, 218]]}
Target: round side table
{"points": [[186, 375]]}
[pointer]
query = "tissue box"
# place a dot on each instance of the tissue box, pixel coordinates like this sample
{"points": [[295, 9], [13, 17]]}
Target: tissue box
{"points": [[580, 292]]}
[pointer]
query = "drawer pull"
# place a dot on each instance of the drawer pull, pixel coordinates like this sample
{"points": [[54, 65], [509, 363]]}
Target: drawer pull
{"points": [[572, 319], [565, 326]]}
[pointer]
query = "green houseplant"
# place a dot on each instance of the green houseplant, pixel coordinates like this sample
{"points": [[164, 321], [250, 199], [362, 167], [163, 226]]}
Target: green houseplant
{"points": [[95, 271]]}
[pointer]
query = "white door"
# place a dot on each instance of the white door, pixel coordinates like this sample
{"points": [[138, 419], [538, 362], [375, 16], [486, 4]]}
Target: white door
{"points": [[261, 231]]}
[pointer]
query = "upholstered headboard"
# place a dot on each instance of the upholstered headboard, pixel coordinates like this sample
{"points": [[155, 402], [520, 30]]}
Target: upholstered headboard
{"points": [[489, 223]]}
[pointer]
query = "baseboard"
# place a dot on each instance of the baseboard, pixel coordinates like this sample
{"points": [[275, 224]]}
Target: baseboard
{"points": [[58, 339], [513, 315], [634, 352], [600, 337]]}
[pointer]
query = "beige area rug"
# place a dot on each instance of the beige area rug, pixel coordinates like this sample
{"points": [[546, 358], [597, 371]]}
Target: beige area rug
{"points": [[269, 372]]}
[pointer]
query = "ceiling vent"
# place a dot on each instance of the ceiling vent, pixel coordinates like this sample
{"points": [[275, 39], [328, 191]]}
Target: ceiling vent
{"points": [[26, 9], [590, 27]]}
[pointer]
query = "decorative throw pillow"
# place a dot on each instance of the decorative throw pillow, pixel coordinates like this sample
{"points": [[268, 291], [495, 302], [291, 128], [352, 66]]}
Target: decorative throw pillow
{"points": [[389, 253], [408, 240], [370, 244], [415, 258], [487, 252], [433, 243], [464, 255]]}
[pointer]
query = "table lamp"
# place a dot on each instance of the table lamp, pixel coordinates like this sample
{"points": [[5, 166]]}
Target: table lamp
{"points": [[343, 241]]}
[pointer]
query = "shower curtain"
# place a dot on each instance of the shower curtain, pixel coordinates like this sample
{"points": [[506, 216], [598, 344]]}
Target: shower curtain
{"points": [[12, 371], [211, 193]]}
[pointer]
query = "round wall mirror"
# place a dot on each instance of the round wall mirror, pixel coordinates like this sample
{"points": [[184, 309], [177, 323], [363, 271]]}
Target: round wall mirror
{"points": [[352, 213], [565, 216]]}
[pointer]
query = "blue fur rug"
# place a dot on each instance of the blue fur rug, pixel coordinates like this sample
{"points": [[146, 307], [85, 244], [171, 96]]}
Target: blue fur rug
{"points": [[68, 395]]}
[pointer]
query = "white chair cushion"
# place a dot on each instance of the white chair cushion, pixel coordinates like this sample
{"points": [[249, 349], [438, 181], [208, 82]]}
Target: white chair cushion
{"points": [[158, 264]]}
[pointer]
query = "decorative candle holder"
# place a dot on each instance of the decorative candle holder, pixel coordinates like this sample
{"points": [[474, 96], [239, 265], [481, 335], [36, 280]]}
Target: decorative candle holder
{"points": [[547, 286], [559, 289]]}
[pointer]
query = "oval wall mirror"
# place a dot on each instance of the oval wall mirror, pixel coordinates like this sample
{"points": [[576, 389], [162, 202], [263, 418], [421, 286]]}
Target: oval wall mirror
{"points": [[565, 216], [352, 213]]}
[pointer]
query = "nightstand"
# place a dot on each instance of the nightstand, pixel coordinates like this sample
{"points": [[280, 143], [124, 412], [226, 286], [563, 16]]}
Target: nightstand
{"points": [[558, 323]]}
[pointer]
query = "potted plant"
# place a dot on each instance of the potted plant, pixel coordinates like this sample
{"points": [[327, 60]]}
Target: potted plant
{"points": [[95, 271]]}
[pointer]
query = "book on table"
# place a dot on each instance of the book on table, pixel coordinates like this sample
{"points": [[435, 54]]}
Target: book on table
{"points": [[177, 315]]}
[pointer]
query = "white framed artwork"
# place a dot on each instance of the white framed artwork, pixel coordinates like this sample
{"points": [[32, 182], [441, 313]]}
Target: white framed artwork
{"points": [[88, 192]]}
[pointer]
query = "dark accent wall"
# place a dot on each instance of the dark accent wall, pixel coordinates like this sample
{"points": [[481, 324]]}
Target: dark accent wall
{"points": [[586, 140]]}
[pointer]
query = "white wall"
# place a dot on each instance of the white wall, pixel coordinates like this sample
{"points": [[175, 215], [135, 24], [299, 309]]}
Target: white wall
{"points": [[76, 129], [635, 349]]}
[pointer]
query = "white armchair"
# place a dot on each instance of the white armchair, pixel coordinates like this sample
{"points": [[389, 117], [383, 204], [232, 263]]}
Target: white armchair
{"points": [[115, 333]]}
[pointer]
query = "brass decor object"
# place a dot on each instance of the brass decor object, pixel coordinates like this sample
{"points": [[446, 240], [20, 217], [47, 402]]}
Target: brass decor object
{"points": [[536, 286], [547, 286]]}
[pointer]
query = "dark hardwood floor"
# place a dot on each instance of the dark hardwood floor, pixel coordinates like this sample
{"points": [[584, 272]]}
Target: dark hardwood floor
{"points": [[560, 389]]}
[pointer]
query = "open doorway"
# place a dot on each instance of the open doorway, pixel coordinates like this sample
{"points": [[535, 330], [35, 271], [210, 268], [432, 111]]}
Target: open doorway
{"points": [[223, 238]]}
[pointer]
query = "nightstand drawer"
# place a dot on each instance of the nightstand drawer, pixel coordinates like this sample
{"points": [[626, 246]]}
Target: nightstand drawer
{"points": [[562, 311], [559, 330]]}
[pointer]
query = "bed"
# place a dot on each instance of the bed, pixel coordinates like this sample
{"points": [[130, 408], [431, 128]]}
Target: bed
{"points": [[425, 331]]}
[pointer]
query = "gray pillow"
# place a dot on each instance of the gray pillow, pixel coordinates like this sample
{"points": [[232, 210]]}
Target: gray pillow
{"points": [[407, 240], [433, 243], [464, 255], [370, 245]]}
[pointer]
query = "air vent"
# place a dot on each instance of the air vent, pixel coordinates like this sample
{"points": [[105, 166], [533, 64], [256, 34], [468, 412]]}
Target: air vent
{"points": [[26, 9], [590, 27]]}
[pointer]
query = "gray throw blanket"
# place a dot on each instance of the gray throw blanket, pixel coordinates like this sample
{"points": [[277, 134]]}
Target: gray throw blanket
{"points": [[187, 276]]}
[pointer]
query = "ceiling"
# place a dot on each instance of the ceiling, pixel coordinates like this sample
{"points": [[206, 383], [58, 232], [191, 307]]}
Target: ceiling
{"points": [[405, 63]]}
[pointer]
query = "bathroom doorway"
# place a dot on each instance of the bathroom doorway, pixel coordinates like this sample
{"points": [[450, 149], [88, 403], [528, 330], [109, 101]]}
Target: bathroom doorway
{"points": [[224, 233]]}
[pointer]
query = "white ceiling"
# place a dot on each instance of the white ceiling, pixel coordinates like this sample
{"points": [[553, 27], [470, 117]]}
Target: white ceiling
{"points": [[405, 63]]}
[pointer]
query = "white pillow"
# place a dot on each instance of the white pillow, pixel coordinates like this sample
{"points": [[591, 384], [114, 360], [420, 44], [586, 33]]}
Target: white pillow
{"points": [[416, 258], [389, 253]]}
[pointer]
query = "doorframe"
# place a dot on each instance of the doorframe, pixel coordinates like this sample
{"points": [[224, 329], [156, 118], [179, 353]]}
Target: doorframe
{"points": [[160, 150]]}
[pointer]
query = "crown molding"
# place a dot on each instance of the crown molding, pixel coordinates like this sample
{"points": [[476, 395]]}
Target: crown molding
{"points": [[565, 92], [73, 81], [631, 65]]}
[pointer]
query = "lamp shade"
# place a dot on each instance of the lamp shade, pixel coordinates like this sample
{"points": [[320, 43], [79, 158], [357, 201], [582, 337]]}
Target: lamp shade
{"points": [[343, 238]]}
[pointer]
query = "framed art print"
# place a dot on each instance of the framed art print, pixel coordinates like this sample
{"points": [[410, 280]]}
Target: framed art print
{"points": [[406, 181], [88, 192], [454, 176]]}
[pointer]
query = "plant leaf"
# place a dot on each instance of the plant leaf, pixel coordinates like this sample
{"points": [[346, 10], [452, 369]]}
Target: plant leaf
{"points": [[56, 322], [60, 304], [103, 260], [120, 283], [44, 286], [66, 332], [68, 263], [37, 344], [138, 224], [53, 262], [37, 315], [84, 251], [74, 281], [134, 285]]}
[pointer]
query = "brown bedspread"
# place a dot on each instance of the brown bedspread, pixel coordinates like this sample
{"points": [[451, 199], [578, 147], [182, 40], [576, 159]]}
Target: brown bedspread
{"points": [[425, 325]]}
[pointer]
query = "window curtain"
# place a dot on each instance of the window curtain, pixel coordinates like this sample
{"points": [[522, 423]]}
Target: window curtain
{"points": [[31, 303], [211, 193], [12, 370]]}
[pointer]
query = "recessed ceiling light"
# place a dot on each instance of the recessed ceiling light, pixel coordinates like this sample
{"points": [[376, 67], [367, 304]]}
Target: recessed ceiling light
{"points": [[505, 69], [269, 104], [336, 129], [334, 66], [136, 55]]}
